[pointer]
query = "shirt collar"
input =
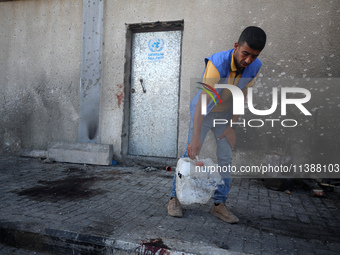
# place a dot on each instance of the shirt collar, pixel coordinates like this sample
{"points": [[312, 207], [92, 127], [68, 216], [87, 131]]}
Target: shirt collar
{"points": [[233, 64]]}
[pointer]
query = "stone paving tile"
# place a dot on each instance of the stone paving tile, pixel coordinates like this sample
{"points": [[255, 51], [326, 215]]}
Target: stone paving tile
{"points": [[126, 202], [8, 250]]}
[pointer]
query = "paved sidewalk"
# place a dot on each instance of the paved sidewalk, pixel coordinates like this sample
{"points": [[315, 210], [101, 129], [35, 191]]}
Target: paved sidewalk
{"points": [[9, 250], [80, 209]]}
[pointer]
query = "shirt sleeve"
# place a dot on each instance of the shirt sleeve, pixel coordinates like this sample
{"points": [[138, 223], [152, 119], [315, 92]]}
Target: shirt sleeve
{"points": [[211, 75]]}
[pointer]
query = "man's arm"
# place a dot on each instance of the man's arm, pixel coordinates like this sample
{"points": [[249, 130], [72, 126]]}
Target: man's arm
{"points": [[211, 77], [195, 144], [229, 132]]}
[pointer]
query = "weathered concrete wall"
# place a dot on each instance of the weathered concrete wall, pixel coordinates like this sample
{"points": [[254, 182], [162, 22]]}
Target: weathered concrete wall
{"points": [[302, 41], [39, 73], [40, 68]]}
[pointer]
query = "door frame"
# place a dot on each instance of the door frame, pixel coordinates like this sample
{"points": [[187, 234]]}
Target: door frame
{"points": [[130, 30]]}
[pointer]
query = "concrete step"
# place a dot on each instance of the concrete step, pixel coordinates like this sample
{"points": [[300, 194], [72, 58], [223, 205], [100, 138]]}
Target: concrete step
{"points": [[82, 153]]}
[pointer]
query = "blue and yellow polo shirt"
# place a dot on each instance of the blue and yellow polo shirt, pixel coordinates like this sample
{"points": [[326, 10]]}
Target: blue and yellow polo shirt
{"points": [[212, 76]]}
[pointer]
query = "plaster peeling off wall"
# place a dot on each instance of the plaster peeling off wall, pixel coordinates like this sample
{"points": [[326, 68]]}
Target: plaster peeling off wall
{"points": [[39, 73]]}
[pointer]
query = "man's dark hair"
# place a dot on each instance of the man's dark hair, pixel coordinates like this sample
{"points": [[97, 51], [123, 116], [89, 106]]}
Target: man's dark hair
{"points": [[255, 37]]}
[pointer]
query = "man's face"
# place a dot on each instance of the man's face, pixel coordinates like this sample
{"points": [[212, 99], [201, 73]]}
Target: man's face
{"points": [[244, 55]]}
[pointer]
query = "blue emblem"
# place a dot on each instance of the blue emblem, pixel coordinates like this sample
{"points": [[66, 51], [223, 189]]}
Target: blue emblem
{"points": [[156, 44]]}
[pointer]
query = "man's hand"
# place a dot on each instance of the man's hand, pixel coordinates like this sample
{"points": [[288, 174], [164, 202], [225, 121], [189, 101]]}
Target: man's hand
{"points": [[194, 148], [229, 133]]}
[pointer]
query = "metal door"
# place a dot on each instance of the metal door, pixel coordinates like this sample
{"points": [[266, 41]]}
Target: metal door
{"points": [[154, 94]]}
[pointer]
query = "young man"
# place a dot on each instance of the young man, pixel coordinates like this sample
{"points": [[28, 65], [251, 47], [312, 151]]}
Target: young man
{"points": [[230, 66]]}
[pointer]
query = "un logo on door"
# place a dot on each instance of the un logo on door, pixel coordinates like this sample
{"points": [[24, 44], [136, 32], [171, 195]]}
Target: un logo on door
{"points": [[156, 44]]}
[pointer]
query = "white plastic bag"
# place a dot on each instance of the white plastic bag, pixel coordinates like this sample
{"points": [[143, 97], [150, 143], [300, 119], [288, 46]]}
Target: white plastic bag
{"points": [[196, 184]]}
